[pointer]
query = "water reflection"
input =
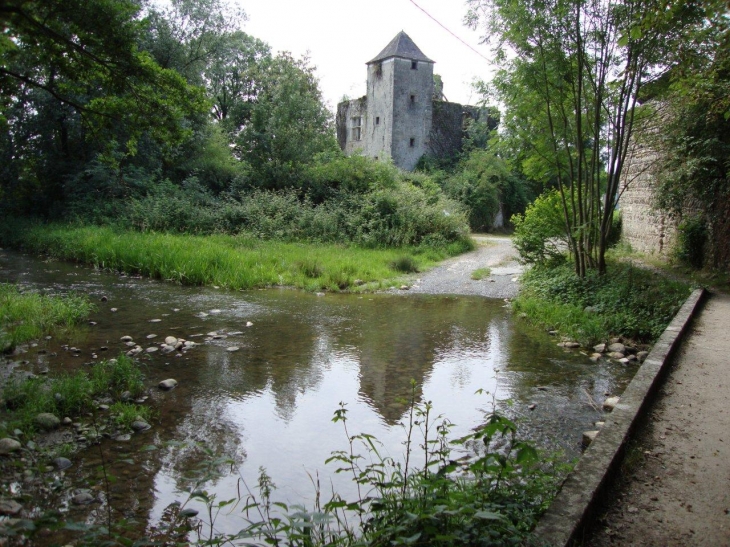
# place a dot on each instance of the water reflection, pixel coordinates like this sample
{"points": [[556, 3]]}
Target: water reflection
{"points": [[270, 403]]}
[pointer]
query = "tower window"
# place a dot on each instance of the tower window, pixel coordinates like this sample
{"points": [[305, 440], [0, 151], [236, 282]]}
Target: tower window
{"points": [[377, 120], [412, 143], [414, 65], [356, 128]]}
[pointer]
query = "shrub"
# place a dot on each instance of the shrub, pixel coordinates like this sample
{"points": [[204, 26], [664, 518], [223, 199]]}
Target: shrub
{"points": [[691, 241], [540, 235]]}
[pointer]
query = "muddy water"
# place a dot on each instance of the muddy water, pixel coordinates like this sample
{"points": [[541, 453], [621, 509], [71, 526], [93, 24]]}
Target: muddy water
{"points": [[270, 403]]}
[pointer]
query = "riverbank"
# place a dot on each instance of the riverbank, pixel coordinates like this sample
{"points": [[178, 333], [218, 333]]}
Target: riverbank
{"points": [[232, 262]]}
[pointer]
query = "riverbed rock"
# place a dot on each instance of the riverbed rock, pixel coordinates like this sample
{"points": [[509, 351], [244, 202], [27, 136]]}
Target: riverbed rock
{"points": [[126, 338], [135, 351], [616, 355], [188, 512], [233, 348], [617, 347], [249, 324], [167, 349], [610, 403], [595, 357], [589, 437], [140, 425], [152, 349], [599, 348], [155, 320], [167, 384], [642, 355], [8, 446], [82, 498], [130, 344], [114, 310], [170, 340], [151, 336], [189, 344], [10, 508], [47, 421], [62, 463]]}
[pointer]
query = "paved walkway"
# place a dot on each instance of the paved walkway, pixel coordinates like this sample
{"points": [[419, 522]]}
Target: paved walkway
{"points": [[675, 488]]}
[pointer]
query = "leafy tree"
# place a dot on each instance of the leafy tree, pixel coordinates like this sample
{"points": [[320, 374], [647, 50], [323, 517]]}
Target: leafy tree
{"points": [[84, 54], [570, 85], [288, 123]]}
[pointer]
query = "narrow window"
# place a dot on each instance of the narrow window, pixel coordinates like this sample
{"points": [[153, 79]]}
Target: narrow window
{"points": [[377, 120], [414, 65], [413, 100], [356, 128], [413, 142]]}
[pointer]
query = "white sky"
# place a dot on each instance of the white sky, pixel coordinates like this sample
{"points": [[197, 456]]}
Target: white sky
{"points": [[342, 35]]}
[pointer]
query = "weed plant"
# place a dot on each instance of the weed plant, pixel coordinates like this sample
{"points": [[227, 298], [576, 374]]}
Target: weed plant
{"points": [[627, 301], [27, 316], [235, 262], [487, 488], [69, 395], [481, 273]]}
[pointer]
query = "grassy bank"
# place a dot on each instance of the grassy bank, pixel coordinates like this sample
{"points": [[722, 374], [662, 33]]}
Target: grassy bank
{"points": [[235, 262], [27, 316], [629, 302], [73, 395]]}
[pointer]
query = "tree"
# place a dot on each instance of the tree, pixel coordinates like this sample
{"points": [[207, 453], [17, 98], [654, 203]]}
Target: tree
{"points": [[288, 123], [84, 54], [571, 76]]}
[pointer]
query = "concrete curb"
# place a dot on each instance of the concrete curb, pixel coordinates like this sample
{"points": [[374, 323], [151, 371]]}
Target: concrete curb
{"points": [[565, 520]]}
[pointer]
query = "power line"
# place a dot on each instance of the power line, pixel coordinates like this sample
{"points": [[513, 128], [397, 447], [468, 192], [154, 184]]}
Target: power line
{"points": [[449, 31]]}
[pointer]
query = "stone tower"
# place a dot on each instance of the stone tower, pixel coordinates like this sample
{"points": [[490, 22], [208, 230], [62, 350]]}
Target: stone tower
{"points": [[394, 119]]}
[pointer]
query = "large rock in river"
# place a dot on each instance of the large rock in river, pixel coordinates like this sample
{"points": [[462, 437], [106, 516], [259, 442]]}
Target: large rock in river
{"points": [[47, 421], [8, 445]]}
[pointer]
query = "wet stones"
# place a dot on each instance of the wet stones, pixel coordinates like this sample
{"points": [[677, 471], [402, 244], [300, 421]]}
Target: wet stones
{"points": [[232, 349], [140, 425], [126, 339], [8, 446], [10, 508], [171, 341], [62, 463], [610, 403], [47, 421], [167, 385], [82, 498]]}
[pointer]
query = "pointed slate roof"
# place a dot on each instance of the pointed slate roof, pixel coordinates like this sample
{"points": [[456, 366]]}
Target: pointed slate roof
{"points": [[401, 46]]}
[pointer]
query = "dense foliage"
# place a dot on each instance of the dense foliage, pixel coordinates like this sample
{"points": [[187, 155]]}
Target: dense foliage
{"points": [[627, 301]]}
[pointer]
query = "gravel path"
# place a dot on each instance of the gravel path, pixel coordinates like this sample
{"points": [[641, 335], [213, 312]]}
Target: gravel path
{"points": [[454, 275], [677, 493]]}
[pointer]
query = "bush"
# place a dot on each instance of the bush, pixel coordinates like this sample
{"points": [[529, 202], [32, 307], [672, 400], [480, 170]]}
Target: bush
{"points": [[691, 241], [626, 301], [540, 234]]}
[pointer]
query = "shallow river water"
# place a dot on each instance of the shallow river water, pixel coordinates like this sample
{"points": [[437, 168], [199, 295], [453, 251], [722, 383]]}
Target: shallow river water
{"points": [[270, 403]]}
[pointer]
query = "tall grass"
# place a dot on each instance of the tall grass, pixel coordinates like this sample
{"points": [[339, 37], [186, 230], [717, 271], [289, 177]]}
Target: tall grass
{"points": [[26, 316], [235, 262]]}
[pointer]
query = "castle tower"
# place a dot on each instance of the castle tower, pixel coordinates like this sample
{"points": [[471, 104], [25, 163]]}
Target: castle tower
{"points": [[394, 119]]}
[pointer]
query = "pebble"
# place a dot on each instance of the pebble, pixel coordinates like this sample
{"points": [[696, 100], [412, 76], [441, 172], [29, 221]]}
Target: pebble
{"points": [[170, 340], [123, 437], [152, 349], [47, 421], [83, 498], [155, 320], [589, 437], [151, 336], [404, 287], [233, 348], [167, 384], [8, 445], [10, 507], [66, 421], [215, 311], [249, 324], [610, 403], [126, 339], [130, 344], [140, 425], [167, 349], [62, 463], [113, 309]]}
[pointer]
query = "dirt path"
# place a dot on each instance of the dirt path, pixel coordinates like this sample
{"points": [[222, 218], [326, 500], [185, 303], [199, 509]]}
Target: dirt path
{"points": [[454, 275], [677, 492]]}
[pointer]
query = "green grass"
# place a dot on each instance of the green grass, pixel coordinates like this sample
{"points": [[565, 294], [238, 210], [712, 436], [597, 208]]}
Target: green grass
{"points": [[481, 273], [69, 395], [627, 301], [28, 316], [124, 414], [234, 262]]}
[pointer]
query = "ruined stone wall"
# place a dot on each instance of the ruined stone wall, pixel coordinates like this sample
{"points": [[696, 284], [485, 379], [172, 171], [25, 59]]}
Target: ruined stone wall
{"points": [[645, 228]]}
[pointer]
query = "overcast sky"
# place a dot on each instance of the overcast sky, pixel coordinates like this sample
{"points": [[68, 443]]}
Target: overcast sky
{"points": [[342, 35]]}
